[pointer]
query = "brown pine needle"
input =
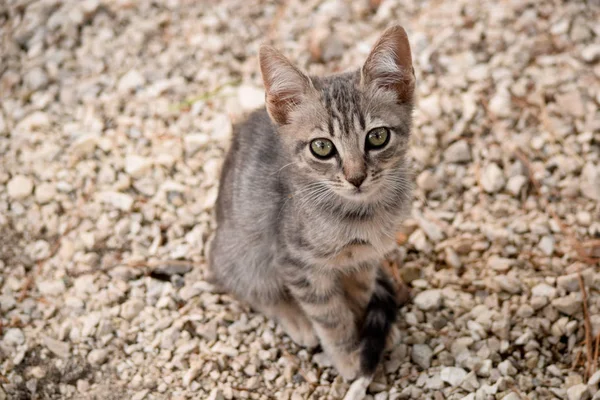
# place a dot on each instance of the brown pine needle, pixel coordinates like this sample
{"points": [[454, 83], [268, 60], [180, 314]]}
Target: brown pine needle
{"points": [[588, 329], [596, 353]]}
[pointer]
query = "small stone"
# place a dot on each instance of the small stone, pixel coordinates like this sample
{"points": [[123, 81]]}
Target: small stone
{"points": [[431, 229], [430, 105], [584, 218], [51, 288], [453, 375], [429, 300], [190, 375], [515, 184], [85, 144], [137, 166], [35, 121], [506, 368], [500, 104], [45, 192], [594, 379], [546, 244], [225, 350], [421, 355], [492, 178], [97, 356], [61, 349], [427, 181], [118, 200], [215, 394], [500, 264], [544, 290], [470, 383], [14, 337], [525, 311], [590, 181], [36, 79], [571, 103], [131, 80], [569, 305], [170, 269], [7, 303], [324, 45], [591, 53], [452, 258], [458, 152], [131, 308], [19, 187], [194, 142], [569, 283], [251, 97], [578, 392], [512, 396]]}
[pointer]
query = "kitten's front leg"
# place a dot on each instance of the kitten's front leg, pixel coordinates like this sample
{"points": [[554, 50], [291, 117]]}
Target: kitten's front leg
{"points": [[322, 298]]}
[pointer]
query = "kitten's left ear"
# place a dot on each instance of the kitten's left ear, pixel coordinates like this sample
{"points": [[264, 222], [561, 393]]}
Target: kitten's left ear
{"points": [[389, 66], [286, 85]]}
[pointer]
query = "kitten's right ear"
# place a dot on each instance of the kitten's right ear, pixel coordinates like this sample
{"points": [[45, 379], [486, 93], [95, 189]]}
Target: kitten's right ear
{"points": [[286, 86]]}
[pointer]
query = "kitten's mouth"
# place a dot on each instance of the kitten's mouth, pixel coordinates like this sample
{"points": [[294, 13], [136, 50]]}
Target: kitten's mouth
{"points": [[360, 194]]}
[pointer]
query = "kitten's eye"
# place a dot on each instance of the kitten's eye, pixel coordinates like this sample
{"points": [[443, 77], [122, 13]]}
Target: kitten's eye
{"points": [[322, 148], [377, 137]]}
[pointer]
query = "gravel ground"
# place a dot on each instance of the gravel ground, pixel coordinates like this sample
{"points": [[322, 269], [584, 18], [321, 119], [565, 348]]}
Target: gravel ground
{"points": [[113, 123]]}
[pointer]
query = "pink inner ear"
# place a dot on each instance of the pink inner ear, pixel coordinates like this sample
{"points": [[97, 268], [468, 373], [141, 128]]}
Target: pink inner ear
{"points": [[284, 83], [390, 64]]}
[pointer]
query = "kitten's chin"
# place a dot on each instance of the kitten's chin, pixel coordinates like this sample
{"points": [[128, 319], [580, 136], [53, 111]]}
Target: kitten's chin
{"points": [[359, 195]]}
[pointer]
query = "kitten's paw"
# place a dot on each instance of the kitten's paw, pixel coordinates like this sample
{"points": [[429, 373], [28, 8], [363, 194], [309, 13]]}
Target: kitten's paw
{"points": [[393, 338], [348, 365]]}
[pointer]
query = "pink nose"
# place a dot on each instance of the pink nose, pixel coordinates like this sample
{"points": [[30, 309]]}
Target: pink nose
{"points": [[357, 179]]}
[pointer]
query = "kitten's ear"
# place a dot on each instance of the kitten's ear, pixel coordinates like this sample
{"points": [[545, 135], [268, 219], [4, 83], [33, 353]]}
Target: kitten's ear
{"points": [[286, 86], [389, 65]]}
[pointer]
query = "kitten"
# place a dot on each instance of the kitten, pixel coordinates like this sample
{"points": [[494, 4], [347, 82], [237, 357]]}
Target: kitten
{"points": [[312, 191]]}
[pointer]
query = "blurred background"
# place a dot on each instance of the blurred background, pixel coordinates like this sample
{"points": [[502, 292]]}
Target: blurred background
{"points": [[114, 119]]}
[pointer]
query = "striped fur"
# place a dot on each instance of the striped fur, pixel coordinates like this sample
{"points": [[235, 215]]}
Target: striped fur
{"points": [[295, 238]]}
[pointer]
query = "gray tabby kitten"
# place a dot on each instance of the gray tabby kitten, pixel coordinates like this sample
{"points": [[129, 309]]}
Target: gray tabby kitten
{"points": [[312, 192]]}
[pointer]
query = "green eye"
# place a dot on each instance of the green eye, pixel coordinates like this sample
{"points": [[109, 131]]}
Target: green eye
{"points": [[322, 148], [377, 137]]}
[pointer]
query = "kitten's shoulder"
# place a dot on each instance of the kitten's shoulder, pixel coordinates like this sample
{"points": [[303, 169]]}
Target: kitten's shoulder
{"points": [[258, 121]]}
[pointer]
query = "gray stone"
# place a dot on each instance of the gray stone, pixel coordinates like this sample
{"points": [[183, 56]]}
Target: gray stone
{"points": [[515, 184], [19, 187], [421, 355], [492, 178], [546, 244], [570, 304], [544, 290], [506, 368], [131, 308], [97, 356], [458, 152], [578, 392], [427, 181], [429, 300], [59, 348], [13, 337], [453, 375], [45, 192], [131, 80]]}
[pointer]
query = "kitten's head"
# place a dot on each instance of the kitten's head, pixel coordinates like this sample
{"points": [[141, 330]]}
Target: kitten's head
{"points": [[346, 133]]}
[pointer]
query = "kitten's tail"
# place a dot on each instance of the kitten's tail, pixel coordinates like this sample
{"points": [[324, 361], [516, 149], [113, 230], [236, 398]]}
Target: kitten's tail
{"points": [[380, 315]]}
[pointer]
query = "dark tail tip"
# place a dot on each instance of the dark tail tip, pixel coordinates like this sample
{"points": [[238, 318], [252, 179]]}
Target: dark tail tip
{"points": [[380, 315]]}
